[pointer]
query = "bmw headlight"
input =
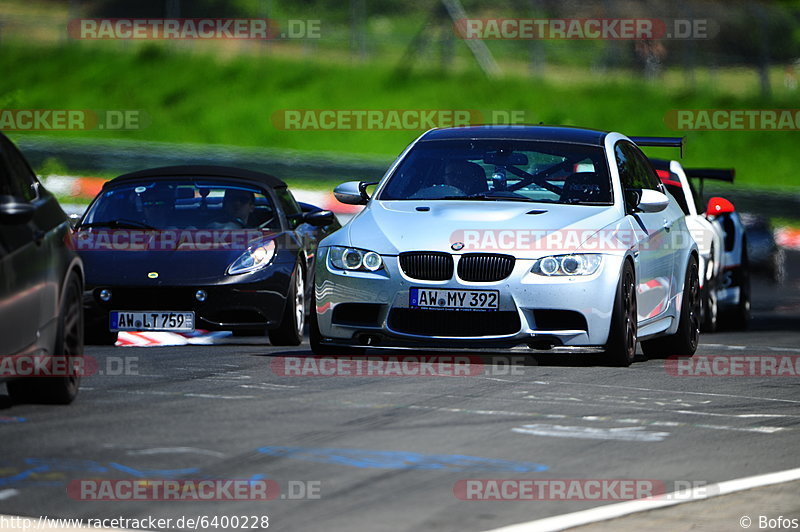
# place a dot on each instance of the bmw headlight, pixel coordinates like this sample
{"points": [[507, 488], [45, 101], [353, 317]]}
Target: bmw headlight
{"points": [[354, 259], [568, 265], [255, 258]]}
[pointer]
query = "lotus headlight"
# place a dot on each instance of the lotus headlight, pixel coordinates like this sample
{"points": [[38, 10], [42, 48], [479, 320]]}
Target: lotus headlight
{"points": [[255, 258], [568, 265], [354, 259]]}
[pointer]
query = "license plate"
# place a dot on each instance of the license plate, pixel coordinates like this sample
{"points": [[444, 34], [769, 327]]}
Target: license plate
{"points": [[454, 299], [153, 320]]}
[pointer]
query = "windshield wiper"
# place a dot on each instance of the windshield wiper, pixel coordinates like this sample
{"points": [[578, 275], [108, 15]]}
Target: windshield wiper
{"points": [[122, 224]]}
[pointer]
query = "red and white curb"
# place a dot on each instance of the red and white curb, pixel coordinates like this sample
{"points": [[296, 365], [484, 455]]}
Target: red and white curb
{"points": [[159, 338], [788, 238]]}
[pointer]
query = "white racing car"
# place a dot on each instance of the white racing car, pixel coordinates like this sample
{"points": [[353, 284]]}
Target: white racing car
{"points": [[499, 236], [721, 241]]}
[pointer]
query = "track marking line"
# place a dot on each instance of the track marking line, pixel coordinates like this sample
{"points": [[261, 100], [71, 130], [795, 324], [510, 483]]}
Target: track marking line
{"points": [[643, 423], [668, 391], [612, 511], [7, 494], [175, 450], [591, 433]]}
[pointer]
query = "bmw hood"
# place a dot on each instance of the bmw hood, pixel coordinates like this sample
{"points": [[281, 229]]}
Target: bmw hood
{"points": [[520, 228]]}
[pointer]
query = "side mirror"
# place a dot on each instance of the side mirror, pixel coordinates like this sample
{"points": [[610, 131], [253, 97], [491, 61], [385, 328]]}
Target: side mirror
{"points": [[652, 201], [717, 206], [14, 211], [352, 192], [319, 218]]}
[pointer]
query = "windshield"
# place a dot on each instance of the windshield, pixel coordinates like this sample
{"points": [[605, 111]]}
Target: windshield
{"points": [[502, 170], [182, 204]]}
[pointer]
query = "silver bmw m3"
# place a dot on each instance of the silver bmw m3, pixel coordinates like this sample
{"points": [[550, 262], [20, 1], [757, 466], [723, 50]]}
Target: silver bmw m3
{"points": [[505, 236]]}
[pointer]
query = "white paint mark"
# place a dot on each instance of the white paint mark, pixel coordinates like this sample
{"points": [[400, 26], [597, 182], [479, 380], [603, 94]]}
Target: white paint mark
{"points": [[212, 396], [740, 416], [7, 494], [176, 450], [591, 433], [612, 511], [267, 386], [676, 391]]}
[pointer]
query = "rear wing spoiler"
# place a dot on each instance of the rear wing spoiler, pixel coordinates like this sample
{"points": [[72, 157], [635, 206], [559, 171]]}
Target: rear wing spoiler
{"points": [[661, 142], [719, 174]]}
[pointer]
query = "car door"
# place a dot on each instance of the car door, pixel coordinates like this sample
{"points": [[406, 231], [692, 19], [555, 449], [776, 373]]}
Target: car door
{"points": [[22, 268], [655, 260]]}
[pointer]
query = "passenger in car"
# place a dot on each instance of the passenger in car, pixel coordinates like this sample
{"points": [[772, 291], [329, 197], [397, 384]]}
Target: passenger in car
{"points": [[237, 205]]}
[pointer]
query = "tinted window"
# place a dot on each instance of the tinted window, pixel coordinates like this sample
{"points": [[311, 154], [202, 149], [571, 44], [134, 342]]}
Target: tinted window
{"points": [[677, 192], [184, 204], [491, 170], [290, 207], [634, 169]]}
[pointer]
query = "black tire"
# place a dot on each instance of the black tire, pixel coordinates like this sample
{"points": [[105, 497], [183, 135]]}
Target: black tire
{"points": [[61, 390], [620, 349], [740, 316], [710, 309], [778, 267], [290, 330], [685, 340]]}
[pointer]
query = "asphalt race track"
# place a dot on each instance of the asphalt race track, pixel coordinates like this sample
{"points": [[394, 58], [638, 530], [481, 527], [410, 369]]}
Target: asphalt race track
{"points": [[384, 453]]}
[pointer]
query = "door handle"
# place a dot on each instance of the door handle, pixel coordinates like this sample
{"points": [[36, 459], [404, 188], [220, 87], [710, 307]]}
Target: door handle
{"points": [[667, 225], [38, 236]]}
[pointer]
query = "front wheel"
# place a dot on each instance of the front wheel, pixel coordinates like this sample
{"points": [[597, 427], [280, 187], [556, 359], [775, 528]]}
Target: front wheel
{"points": [[684, 342], [710, 309], [290, 330], [622, 337]]}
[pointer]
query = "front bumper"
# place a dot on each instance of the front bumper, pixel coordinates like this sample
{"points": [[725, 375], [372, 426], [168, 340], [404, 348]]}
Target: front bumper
{"points": [[372, 308], [231, 307]]}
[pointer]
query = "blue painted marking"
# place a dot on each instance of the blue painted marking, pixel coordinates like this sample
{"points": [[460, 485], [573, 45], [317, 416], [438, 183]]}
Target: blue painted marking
{"points": [[400, 459], [57, 464], [12, 419], [13, 479], [154, 473]]}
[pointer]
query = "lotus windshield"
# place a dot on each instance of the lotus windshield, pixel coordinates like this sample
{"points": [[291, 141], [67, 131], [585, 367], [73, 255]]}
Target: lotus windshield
{"points": [[502, 170], [182, 204]]}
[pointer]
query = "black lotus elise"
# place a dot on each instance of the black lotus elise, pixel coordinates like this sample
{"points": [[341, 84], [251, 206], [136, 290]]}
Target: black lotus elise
{"points": [[198, 247]]}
